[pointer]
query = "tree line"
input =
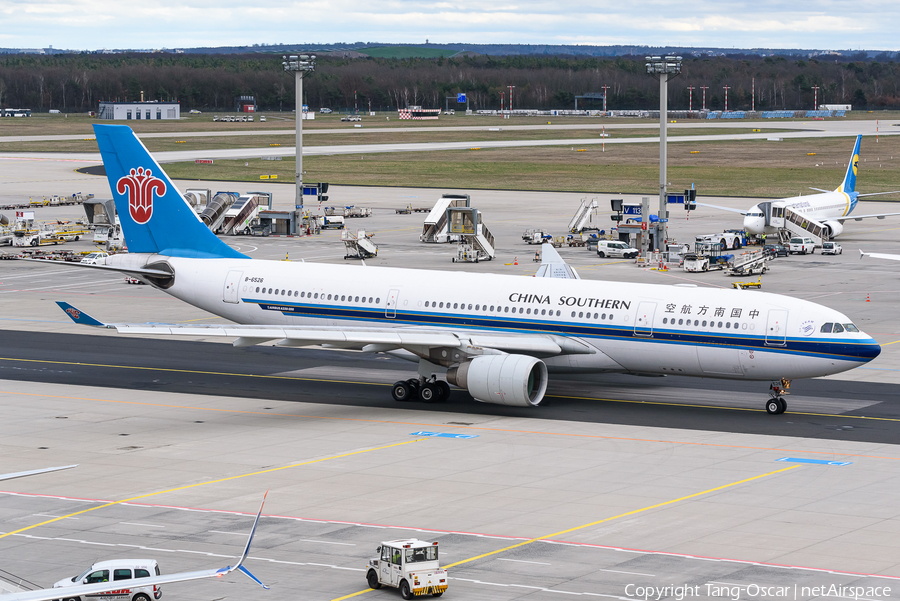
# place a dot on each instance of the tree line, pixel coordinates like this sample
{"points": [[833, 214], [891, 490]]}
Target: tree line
{"points": [[78, 82]]}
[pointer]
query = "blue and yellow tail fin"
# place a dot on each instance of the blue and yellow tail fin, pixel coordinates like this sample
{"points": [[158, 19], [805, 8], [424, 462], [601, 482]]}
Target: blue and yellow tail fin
{"points": [[155, 217], [849, 184]]}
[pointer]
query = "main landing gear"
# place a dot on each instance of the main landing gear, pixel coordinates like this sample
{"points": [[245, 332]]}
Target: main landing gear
{"points": [[776, 405], [429, 390]]}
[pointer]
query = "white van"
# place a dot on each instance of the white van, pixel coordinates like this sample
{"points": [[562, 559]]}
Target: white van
{"points": [[614, 248], [123, 575]]}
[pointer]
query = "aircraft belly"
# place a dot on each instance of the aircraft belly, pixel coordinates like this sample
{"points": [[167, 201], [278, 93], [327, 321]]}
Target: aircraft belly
{"points": [[646, 355]]}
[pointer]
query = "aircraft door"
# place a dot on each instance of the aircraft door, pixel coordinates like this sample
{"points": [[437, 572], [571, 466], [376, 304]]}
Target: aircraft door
{"points": [[776, 327], [390, 308], [232, 285], [643, 322]]}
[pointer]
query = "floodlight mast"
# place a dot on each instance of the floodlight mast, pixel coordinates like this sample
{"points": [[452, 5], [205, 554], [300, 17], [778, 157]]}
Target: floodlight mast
{"points": [[299, 65], [666, 68]]}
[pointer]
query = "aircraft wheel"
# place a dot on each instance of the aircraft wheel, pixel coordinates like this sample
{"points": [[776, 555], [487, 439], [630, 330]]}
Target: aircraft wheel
{"points": [[773, 407], [444, 389], [404, 590], [372, 579], [401, 391], [429, 393]]}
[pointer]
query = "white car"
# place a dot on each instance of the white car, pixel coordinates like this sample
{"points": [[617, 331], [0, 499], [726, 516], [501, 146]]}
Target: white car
{"points": [[325, 111], [194, 112], [262, 118], [351, 118], [831, 248], [95, 258], [124, 577], [614, 248], [801, 246]]}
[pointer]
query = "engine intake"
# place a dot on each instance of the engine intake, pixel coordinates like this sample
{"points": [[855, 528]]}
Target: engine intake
{"points": [[516, 380], [834, 228]]}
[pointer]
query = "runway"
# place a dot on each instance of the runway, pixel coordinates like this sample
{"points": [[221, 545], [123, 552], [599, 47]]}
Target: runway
{"points": [[848, 411]]}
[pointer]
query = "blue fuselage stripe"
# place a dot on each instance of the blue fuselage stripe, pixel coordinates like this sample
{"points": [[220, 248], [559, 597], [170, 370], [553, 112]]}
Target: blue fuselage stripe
{"points": [[846, 350]]}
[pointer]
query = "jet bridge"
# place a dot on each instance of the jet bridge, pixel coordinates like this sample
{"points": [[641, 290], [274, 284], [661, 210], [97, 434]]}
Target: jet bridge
{"points": [[475, 241], [436, 227], [582, 216]]}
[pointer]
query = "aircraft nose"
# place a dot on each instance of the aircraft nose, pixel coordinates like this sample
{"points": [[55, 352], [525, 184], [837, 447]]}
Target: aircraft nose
{"points": [[753, 225], [868, 349]]}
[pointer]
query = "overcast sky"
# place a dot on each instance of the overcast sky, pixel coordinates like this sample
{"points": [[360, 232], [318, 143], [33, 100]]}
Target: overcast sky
{"points": [[149, 24]]}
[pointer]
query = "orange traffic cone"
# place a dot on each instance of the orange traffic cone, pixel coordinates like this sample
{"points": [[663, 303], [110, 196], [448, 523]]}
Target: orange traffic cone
{"points": [[516, 261], [867, 298]]}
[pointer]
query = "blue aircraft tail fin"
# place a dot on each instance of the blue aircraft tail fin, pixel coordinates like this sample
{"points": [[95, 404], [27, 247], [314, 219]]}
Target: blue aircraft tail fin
{"points": [[849, 183], [155, 217]]}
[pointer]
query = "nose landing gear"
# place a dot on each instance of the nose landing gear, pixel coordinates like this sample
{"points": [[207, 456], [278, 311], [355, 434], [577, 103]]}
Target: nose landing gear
{"points": [[776, 405]]}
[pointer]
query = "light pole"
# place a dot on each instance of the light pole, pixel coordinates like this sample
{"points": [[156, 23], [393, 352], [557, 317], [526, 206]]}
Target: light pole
{"points": [[704, 88], [300, 65], [816, 88], [691, 98], [605, 88], [665, 68], [510, 99], [726, 88]]}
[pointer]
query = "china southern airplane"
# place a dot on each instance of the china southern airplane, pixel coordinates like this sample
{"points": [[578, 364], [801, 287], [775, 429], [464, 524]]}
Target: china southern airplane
{"points": [[829, 210], [497, 336]]}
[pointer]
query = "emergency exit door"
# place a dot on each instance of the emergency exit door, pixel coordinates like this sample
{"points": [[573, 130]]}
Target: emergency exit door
{"points": [[390, 308], [643, 322], [232, 284], [776, 327]]}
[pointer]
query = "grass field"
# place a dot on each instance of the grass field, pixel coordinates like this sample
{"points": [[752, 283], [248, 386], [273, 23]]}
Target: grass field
{"points": [[406, 52], [729, 168], [361, 136]]}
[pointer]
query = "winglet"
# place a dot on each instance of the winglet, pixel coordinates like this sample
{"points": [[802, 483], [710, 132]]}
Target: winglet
{"points": [[862, 254], [80, 317], [240, 564]]}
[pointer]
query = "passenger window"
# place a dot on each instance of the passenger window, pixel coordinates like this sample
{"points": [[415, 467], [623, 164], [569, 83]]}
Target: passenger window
{"points": [[317, 295], [826, 328], [521, 309], [441, 305], [665, 320], [580, 314], [696, 322], [98, 576], [704, 323], [257, 288], [528, 311], [727, 325], [302, 294], [142, 573], [357, 300], [343, 297], [543, 311], [492, 308], [470, 307], [426, 303], [455, 305], [573, 313], [329, 297], [680, 322], [506, 309], [603, 316], [378, 300], [838, 328], [122, 574], [720, 324]]}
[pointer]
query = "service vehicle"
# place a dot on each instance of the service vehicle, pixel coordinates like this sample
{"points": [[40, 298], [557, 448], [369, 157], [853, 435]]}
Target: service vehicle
{"points": [[801, 246], [262, 118], [325, 111], [775, 250], [351, 118], [335, 222], [123, 576], [615, 248], [725, 240], [95, 258], [536, 236], [194, 112], [831, 248], [411, 565]]}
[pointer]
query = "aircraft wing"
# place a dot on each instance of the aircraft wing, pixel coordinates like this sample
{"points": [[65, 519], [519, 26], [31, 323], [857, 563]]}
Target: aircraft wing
{"points": [[861, 217], [416, 340], [82, 590], [887, 256], [739, 211], [35, 472], [877, 193]]}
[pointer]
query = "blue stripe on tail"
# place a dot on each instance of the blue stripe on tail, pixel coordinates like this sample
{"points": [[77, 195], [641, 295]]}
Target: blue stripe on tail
{"points": [[155, 217]]}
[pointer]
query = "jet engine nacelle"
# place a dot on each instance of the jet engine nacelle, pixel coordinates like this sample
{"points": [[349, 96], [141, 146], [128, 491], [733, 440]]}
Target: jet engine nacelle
{"points": [[834, 228], [516, 380]]}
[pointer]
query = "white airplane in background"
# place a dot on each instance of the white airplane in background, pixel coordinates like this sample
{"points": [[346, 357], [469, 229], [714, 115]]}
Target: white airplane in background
{"points": [[496, 336], [887, 256], [89, 591], [830, 209]]}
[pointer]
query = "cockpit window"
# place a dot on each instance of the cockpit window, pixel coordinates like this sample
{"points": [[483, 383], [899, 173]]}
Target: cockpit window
{"points": [[838, 328], [850, 327], [826, 328]]}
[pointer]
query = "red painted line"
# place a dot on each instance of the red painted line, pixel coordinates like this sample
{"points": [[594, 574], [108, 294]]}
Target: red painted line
{"points": [[478, 534]]}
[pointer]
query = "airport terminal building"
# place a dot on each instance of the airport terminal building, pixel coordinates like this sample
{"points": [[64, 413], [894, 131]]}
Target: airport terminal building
{"points": [[126, 111]]}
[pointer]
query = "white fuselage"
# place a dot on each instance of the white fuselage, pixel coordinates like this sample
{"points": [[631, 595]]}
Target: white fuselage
{"points": [[818, 207], [635, 328]]}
